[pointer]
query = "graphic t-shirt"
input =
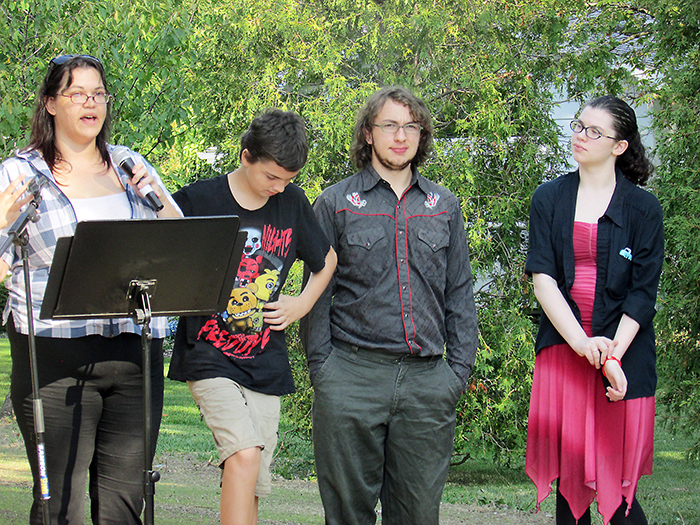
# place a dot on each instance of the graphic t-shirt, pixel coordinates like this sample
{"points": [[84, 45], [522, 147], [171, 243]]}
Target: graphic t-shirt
{"points": [[237, 343]]}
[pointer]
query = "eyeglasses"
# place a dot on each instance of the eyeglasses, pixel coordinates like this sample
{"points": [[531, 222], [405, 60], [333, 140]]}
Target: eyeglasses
{"points": [[592, 133], [82, 98], [412, 128], [60, 60]]}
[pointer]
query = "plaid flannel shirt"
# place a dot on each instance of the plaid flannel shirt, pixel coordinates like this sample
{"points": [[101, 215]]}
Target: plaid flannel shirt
{"points": [[58, 219]]}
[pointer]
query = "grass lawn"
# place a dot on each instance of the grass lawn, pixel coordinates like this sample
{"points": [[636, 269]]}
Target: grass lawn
{"points": [[671, 496]]}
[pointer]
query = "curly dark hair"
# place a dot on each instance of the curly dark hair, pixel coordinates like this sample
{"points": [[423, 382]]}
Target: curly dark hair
{"points": [[633, 163], [361, 151], [58, 77], [279, 136]]}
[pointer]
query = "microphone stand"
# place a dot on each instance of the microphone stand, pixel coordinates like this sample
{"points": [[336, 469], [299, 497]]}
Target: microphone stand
{"points": [[139, 295], [17, 235]]}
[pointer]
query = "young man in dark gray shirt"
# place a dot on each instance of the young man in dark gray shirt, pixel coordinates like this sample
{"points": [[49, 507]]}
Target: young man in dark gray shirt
{"points": [[400, 302]]}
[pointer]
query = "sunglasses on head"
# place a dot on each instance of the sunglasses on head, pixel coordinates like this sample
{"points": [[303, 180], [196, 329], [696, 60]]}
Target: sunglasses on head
{"points": [[60, 60]]}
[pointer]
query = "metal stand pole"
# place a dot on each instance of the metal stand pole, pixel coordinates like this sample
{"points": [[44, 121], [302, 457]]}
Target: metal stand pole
{"points": [[38, 407], [17, 235], [139, 290]]}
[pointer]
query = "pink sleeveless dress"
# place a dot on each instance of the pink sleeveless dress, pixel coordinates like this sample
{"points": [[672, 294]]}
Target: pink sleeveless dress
{"points": [[598, 449]]}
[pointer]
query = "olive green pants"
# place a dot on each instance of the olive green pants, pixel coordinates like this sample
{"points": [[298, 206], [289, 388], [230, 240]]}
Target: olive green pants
{"points": [[383, 428]]}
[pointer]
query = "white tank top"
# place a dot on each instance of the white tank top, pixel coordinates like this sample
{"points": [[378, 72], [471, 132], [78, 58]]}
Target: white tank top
{"points": [[114, 206]]}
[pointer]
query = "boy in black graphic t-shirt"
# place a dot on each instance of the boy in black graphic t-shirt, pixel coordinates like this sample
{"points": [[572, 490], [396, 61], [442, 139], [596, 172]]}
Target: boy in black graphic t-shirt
{"points": [[235, 362]]}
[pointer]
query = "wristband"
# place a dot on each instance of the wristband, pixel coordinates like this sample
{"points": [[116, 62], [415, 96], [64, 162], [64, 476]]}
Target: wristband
{"points": [[610, 358]]}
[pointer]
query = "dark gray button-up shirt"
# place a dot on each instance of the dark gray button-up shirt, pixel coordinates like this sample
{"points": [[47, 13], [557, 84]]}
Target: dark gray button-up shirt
{"points": [[403, 283]]}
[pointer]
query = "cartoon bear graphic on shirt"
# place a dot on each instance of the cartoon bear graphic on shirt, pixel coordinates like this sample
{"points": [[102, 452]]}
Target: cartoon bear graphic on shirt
{"points": [[240, 331]]}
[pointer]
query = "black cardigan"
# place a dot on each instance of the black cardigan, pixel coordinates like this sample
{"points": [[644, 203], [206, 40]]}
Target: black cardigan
{"points": [[630, 250]]}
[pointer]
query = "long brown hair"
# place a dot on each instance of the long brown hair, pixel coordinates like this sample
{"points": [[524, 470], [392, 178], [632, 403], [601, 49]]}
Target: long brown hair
{"points": [[58, 75], [361, 151]]}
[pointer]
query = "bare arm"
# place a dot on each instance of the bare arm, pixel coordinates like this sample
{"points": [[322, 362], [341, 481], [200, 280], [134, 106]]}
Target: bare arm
{"points": [[595, 349], [626, 332], [287, 309]]}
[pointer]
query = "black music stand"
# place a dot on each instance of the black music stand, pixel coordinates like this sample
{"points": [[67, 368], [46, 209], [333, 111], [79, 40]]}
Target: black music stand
{"points": [[143, 268]]}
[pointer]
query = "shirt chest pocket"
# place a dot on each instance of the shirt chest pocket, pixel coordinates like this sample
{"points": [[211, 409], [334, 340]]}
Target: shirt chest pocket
{"points": [[619, 273], [431, 250], [365, 255], [434, 240]]}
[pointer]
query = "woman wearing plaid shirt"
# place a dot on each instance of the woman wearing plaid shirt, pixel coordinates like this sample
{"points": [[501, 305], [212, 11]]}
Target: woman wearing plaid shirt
{"points": [[89, 370]]}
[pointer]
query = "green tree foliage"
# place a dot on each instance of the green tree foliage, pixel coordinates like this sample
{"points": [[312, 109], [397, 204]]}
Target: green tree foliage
{"points": [[677, 121], [488, 70], [188, 76], [143, 47]]}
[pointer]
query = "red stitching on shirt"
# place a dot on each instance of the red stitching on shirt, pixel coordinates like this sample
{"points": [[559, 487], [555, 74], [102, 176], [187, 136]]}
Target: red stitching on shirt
{"points": [[408, 271], [365, 214], [426, 215]]}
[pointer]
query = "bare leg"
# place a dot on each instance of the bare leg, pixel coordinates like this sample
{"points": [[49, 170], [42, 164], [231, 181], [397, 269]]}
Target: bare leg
{"points": [[239, 505]]}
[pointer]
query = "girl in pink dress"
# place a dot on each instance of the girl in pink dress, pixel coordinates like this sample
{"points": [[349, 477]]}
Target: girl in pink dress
{"points": [[596, 250]]}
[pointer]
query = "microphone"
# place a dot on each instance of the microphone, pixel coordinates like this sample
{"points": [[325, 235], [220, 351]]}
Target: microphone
{"points": [[122, 157], [34, 188]]}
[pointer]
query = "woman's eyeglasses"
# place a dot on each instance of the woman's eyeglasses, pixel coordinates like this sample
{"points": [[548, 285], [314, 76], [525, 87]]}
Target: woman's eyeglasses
{"points": [[82, 98], [592, 133]]}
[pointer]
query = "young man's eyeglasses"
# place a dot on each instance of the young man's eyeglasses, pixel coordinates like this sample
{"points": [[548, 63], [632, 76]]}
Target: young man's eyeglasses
{"points": [[82, 98], [412, 128], [592, 133]]}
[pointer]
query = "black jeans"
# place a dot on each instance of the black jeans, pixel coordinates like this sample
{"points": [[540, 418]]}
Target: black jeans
{"points": [[92, 394]]}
